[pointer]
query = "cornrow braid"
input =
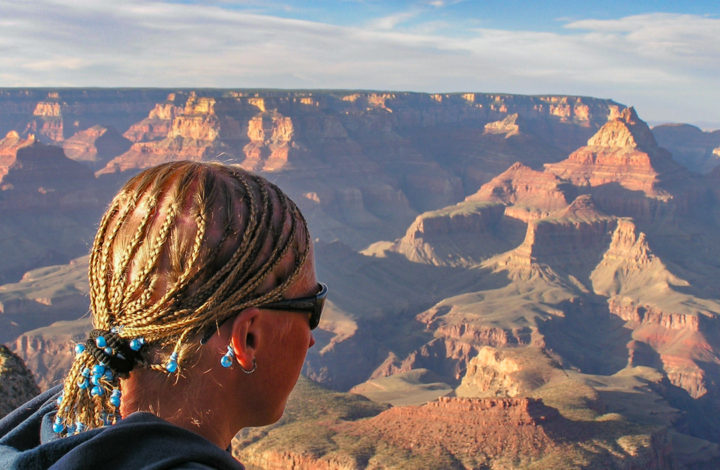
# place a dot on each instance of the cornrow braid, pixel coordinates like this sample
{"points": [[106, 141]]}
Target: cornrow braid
{"points": [[182, 247]]}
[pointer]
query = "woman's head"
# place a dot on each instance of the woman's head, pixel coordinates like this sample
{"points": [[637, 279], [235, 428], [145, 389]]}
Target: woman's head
{"points": [[183, 247]]}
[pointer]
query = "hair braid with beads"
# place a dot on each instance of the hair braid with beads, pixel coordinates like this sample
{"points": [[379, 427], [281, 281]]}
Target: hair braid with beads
{"points": [[182, 247]]}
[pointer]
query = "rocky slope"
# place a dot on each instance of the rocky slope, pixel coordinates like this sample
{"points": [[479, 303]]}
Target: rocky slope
{"points": [[17, 384], [453, 433], [43, 296]]}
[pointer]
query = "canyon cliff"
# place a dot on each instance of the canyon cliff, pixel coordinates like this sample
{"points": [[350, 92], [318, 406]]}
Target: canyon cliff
{"points": [[515, 281]]}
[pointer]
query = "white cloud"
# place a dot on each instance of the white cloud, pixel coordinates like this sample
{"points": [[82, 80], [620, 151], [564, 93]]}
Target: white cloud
{"points": [[666, 65], [685, 39], [443, 3], [392, 21]]}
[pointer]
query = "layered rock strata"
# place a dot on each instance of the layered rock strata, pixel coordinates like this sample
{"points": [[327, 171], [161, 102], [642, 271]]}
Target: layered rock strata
{"points": [[624, 152]]}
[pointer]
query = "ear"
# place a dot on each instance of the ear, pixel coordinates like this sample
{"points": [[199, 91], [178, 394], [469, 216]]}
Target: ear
{"points": [[245, 336]]}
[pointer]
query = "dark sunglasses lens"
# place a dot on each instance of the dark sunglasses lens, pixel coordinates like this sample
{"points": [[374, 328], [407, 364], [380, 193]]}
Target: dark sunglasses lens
{"points": [[318, 307], [315, 317]]}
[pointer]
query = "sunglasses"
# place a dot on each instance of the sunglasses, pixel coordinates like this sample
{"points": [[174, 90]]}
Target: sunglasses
{"points": [[312, 305]]}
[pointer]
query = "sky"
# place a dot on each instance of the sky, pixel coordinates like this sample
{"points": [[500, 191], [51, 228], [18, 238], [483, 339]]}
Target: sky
{"points": [[663, 57]]}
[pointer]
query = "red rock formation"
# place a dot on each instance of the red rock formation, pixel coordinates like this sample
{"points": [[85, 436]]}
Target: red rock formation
{"points": [[158, 123], [192, 135], [678, 339], [271, 139], [539, 193], [623, 151], [95, 145], [47, 120], [8, 150], [509, 427], [474, 334]]}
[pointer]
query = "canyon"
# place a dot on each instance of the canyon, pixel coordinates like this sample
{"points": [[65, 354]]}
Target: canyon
{"points": [[516, 281]]}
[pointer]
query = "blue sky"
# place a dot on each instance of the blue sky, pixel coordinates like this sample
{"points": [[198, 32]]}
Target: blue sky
{"points": [[662, 57]]}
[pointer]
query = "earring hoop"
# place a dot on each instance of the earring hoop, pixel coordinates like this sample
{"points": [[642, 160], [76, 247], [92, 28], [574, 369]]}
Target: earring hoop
{"points": [[254, 366]]}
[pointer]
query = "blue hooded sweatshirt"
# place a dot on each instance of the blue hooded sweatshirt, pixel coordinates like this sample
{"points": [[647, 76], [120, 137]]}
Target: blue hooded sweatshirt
{"points": [[140, 441]]}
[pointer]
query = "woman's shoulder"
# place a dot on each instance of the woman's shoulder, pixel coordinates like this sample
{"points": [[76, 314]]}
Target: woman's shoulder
{"points": [[139, 441], [195, 466]]}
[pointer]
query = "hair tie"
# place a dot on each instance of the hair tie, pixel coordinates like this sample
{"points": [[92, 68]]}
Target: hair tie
{"points": [[119, 354]]}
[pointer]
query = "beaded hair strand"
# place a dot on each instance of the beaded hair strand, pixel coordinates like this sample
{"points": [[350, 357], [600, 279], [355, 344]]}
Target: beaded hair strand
{"points": [[182, 247]]}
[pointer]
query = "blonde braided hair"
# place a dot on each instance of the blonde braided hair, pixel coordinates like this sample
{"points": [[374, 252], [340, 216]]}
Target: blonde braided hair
{"points": [[182, 247]]}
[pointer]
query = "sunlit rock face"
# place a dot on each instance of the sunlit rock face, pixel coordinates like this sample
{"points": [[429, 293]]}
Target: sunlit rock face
{"points": [[95, 146], [9, 146], [623, 151]]}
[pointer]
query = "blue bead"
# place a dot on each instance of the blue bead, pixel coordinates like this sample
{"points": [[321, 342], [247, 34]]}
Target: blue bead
{"points": [[83, 384], [226, 361], [108, 351], [100, 342], [59, 399], [79, 348], [58, 428], [97, 391], [115, 401], [71, 429], [95, 380], [98, 369], [86, 372], [116, 393], [136, 344], [108, 375], [171, 366]]}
